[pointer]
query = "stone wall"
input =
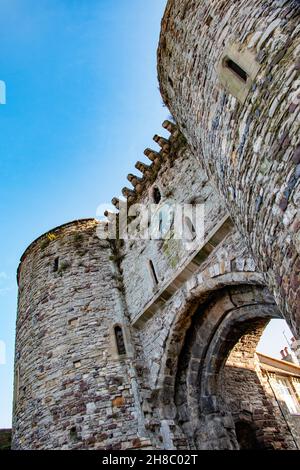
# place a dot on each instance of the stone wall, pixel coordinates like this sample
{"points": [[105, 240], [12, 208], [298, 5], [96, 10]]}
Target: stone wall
{"points": [[250, 398], [72, 388], [230, 77]]}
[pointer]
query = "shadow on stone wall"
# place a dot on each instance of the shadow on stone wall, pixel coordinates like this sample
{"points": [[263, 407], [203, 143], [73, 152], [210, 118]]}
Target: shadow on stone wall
{"points": [[5, 439], [258, 417]]}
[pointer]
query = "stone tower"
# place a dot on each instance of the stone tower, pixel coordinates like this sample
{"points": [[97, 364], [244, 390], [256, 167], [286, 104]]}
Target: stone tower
{"points": [[74, 384], [230, 76]]}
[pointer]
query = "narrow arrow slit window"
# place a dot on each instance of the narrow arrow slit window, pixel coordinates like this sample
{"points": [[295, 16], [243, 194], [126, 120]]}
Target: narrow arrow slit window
{"points": [[153, 272], [120, 340], [236, 69]]}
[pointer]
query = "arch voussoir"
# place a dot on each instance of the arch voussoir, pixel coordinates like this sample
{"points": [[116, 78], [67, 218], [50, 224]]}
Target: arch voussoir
{"points": [[195, 358]]}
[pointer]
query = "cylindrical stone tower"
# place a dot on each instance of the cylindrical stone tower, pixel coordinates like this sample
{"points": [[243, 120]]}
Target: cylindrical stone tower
{"points": [[74, 378], [230, 74]]}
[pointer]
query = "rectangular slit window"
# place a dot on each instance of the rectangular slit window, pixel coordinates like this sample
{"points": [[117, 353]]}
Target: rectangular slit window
{"points": [[56, 262], [236, 69], [153, 273], [120, 341]]}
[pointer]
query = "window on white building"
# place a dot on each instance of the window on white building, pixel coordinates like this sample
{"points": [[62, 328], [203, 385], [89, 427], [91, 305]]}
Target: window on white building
{"points": [[287, 395]]}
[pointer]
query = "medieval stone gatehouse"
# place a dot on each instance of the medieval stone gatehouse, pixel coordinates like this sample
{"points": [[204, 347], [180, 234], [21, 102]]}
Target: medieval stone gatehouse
{"points": [[126, 343]]}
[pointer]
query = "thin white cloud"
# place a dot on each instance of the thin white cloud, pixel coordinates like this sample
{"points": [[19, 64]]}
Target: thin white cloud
{"points": [[3, 275], [2, 353], [4, 290]]}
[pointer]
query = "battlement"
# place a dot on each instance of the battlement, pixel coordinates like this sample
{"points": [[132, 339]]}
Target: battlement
{"points": [[52, 234], [170, 149]]}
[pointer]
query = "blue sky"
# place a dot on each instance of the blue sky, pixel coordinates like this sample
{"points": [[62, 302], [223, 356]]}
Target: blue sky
{"points": [[82, 105]]}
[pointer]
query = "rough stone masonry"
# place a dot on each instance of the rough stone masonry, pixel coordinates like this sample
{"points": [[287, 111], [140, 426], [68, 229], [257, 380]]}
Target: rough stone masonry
{"points": [[230, 74], [136, 343]]}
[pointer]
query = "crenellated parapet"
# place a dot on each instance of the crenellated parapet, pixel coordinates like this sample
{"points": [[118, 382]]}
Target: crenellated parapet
{"points": [[169, 150]]}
